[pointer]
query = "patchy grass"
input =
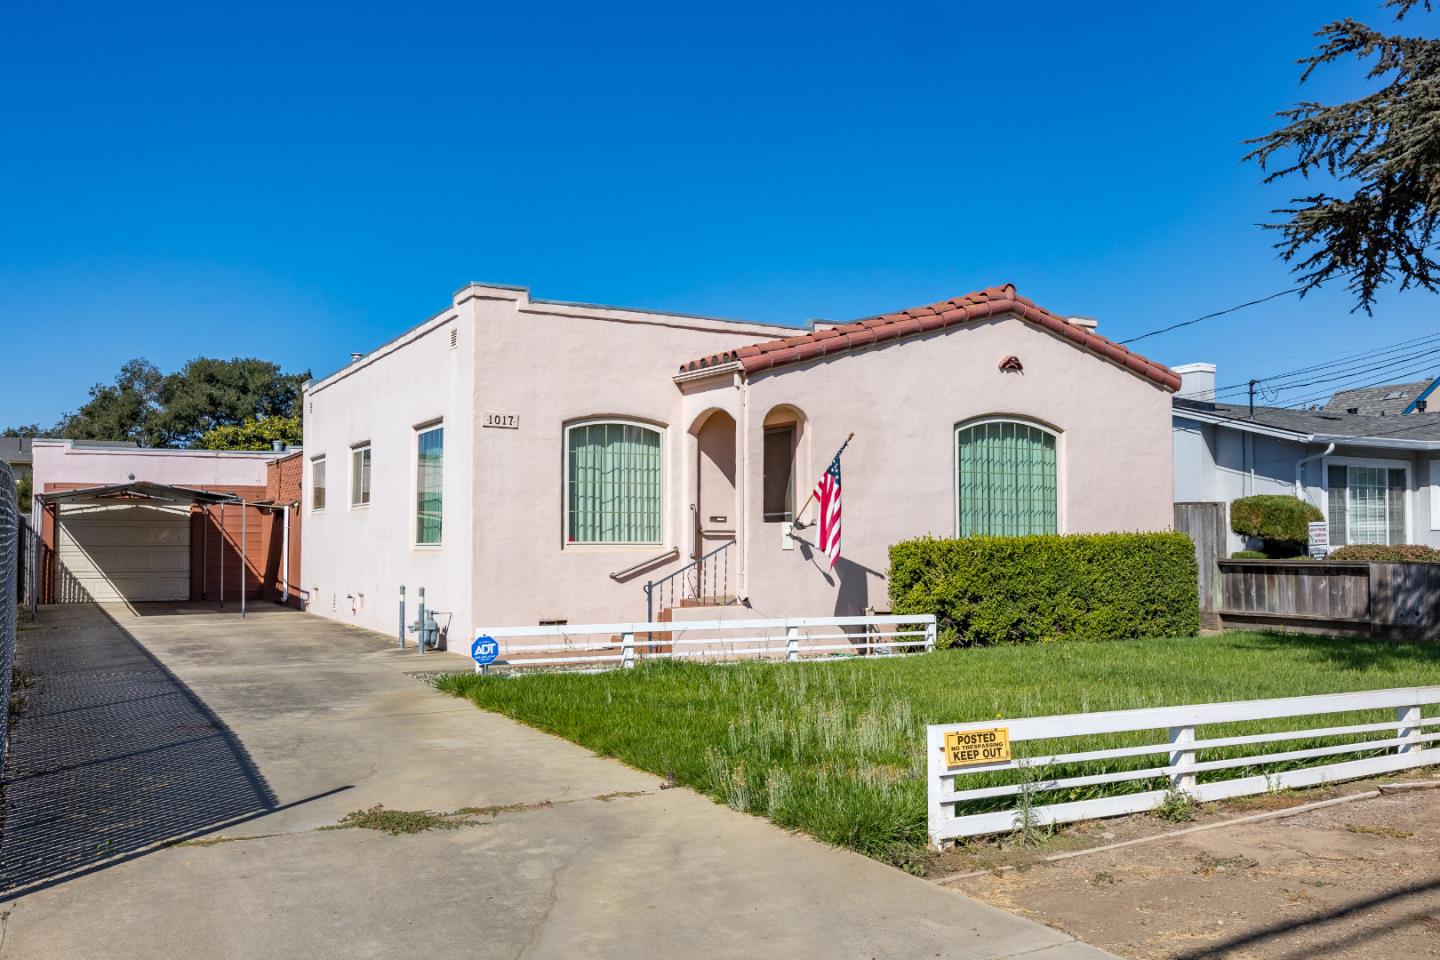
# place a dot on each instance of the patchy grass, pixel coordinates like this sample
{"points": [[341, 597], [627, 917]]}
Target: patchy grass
{"points": [[1389, 833], [398, 822], [837, 749]]}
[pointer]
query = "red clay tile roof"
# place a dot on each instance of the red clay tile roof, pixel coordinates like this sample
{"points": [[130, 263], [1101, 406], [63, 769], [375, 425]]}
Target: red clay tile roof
{"points": [[990, 302]]}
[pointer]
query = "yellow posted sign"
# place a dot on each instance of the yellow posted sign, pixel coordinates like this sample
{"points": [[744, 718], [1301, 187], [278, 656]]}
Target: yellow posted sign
{"points": [[968, 748]]}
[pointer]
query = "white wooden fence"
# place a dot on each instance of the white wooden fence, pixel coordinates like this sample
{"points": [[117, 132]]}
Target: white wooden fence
{"points": [[1400, 743], [606, 646]]}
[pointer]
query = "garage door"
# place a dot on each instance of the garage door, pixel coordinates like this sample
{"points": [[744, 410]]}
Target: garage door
{"points": [[132, 553]]}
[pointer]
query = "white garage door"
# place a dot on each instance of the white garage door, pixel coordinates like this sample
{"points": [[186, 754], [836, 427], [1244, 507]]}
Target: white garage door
{"points": [[124, 552]]}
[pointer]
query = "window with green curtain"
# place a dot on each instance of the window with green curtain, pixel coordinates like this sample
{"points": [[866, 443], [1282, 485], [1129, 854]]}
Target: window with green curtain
{"points": [[430, 468], [613, 481], [1005, 480]]}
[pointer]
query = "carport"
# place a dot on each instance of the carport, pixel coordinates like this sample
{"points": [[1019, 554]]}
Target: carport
{"points": [[142, 541]]}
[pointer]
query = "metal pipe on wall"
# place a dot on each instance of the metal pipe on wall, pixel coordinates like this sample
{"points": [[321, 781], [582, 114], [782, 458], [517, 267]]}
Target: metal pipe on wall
{"points": [[244, 559], [222, 556]]}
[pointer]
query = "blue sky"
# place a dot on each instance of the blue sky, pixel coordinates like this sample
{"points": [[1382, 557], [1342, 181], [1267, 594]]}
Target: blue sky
{"points": [[299, 181]]}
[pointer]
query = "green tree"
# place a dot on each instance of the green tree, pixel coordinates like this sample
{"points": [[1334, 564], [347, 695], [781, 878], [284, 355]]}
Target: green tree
{"points": [[119, 410], [26, 430], [1382, 152], [253, 434], [178, 409], [207, 393]]}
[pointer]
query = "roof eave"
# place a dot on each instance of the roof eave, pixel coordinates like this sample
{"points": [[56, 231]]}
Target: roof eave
{"points": [[686, 376]]}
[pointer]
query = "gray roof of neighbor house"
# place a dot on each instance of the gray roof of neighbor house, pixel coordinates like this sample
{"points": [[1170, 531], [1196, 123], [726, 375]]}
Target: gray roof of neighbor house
{"points": [[1320, 424], [1387, 399]]}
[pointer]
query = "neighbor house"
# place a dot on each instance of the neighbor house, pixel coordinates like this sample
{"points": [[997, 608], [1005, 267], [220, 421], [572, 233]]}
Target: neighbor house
{"points": [[127, 524], [530, 461], [1368, 458]]}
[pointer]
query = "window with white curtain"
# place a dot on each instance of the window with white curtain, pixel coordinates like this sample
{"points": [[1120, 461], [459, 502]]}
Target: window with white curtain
{"points": [[1367, 503], [612, 478]]}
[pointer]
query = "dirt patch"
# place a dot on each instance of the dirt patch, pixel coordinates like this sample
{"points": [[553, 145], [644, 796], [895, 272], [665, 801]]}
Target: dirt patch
{"points": [[1350, 881]]}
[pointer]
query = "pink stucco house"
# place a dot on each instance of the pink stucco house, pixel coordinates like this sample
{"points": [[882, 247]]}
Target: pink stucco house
{"points": [[532, 461]]}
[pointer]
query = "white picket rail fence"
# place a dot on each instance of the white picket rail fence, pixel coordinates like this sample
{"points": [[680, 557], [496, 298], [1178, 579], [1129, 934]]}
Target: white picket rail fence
{"points": [[606, 646], [1403, 740]]}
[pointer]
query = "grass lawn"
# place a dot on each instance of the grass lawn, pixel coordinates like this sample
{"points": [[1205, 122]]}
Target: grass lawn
{"points": [[836, 749]]}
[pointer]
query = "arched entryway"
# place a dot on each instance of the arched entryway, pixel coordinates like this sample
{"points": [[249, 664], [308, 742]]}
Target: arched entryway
{"points": [[714, 513]]}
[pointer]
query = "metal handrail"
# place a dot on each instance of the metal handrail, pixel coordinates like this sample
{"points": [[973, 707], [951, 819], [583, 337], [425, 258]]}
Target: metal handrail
{"points": [[635, 568], [692, 578]]}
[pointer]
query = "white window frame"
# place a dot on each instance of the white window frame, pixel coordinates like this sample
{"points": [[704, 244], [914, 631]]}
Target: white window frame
{"points": [[1409, 499], [1434, 478], [417, 432], [355, 451], [1059, 436], [650, 425], [321, 460]]}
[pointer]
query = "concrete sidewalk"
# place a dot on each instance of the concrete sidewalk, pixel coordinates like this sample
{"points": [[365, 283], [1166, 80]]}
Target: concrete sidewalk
{"points": [[594, 859]]}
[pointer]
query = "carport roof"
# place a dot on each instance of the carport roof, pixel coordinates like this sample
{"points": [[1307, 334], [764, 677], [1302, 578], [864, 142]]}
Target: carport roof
{"points": [[140, 490]]}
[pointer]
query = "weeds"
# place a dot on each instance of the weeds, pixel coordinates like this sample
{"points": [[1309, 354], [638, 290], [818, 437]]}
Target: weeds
{"points": [[1389, 833], [398, 822], [1178, 806]]}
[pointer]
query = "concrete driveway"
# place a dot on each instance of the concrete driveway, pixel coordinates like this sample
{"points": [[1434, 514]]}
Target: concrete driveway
{"points": [[251, 737]]}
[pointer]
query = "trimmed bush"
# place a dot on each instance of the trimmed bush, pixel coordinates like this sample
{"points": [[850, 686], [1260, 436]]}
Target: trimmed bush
{"points": [[1279, 522], [1108, 586], [1247, 555], [1382, 553]]}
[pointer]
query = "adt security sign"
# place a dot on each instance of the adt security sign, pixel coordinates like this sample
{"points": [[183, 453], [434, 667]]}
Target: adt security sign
{"points": [[484, 651]]}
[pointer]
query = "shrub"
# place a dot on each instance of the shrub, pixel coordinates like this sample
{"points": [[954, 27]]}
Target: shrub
{"points": [[1107, 586], [1382, 553], [1247, 555], [1279, 522]]}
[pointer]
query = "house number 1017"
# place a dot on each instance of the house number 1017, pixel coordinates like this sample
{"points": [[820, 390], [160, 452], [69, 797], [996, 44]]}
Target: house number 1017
{"points": [[505, 421]]}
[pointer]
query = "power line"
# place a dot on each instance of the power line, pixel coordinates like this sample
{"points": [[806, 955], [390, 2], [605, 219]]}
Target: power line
{"points": [[1301, 403], [1339, 368], [1209, 316]]}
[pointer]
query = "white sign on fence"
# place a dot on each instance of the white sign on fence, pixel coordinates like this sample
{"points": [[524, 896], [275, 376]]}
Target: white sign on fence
{"points": [[1402, 742], [1319, 535]]}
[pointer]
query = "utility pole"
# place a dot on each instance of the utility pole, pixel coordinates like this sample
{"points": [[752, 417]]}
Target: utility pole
{"points": [[1252, 398]]}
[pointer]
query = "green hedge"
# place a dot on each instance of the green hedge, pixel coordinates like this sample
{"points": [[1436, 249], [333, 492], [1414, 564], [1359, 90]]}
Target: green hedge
{"points": [[1279, 522], [1381, 553], [1107, 586]]}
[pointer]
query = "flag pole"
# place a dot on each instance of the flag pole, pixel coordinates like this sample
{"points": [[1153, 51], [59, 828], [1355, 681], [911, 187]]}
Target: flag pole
{"points": [[806, 504]]}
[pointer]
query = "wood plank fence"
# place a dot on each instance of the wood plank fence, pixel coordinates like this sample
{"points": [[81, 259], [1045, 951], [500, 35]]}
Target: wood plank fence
{"points": [[1399, 600]]}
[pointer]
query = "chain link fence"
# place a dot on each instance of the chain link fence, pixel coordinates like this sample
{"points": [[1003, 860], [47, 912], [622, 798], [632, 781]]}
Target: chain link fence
{"points": [[11, 527]]}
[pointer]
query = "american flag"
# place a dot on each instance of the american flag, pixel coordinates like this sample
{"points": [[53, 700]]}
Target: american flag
{"points": [[827, 496]]}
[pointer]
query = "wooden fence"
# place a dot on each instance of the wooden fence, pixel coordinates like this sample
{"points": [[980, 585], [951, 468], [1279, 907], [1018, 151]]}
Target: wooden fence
{"points": [[1400, 600]]}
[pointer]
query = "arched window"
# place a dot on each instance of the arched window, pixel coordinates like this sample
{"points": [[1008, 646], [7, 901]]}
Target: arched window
{"points": [[612, 479], [1005, 479]]}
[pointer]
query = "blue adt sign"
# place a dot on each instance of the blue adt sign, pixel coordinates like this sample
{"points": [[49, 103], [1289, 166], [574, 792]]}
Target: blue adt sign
{"points": [[484, 650]]}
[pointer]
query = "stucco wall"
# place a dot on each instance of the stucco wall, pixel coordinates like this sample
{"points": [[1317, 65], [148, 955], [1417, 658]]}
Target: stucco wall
{"points": [[61, 462], [355, 558], [504, 559], [903, 402], [554, 364]]}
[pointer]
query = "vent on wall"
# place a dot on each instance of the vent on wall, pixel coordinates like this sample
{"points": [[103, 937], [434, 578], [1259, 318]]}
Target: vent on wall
{"points": [[454, 336]]}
